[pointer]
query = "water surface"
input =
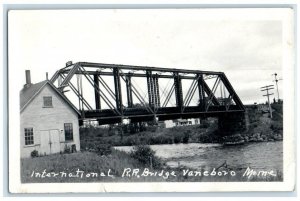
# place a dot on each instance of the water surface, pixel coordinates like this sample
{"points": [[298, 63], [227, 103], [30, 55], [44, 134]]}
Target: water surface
{"points": [[262, 155]]}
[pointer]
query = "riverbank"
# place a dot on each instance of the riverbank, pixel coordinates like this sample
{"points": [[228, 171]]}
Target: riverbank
{"points": [[264, 129], [121, 167], [185, 134], [261, 131]]}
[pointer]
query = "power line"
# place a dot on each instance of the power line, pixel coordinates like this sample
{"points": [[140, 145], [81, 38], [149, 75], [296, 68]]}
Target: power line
{"points": [[268, 88], [276, 80]]}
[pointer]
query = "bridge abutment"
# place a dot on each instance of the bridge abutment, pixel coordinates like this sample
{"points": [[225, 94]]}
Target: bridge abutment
{"points": [[234, 122]]}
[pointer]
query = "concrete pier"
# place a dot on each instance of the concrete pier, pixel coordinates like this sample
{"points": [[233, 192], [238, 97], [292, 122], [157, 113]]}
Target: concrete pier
{"points": [[235, 122]]}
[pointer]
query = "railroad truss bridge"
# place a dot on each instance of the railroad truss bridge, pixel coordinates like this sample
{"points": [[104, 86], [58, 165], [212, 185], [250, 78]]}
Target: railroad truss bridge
{"points": [[110, 93]]}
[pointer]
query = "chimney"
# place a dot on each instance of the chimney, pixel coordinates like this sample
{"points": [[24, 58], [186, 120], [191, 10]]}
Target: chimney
{"points": [[28, 78], [46, 75]]}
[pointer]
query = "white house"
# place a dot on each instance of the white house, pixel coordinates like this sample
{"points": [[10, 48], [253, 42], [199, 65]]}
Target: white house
{"points": [[182, 122], [49, 121]]}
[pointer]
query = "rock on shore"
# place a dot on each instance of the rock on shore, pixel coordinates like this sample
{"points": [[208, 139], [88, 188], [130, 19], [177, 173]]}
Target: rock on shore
{"points": [[253, 137]]}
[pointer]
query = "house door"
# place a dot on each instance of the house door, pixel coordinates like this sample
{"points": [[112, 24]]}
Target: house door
{"points": [[55, 144], [50, 142], [45, 147]]}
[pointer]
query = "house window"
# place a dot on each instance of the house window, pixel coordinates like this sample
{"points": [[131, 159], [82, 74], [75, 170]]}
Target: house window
{"points": [[47, 101], [68, 132], [29, 136]]}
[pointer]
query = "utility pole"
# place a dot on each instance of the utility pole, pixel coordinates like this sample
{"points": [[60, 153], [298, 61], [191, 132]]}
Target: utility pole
{"points": [[276, 80], [267, 88]]}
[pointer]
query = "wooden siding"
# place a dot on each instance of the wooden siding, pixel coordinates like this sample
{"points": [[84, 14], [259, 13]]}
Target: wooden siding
{"points": [[43, 119]]}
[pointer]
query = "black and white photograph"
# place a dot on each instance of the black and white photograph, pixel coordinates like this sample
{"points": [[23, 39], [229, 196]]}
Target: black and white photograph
{"points": [[151, 100]]}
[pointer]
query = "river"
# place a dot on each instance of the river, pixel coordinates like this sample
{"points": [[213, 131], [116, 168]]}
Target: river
{"points": [[261, 155]]}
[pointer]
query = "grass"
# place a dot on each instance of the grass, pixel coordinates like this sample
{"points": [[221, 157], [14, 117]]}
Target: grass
{"points": [[85, 161], [117, 161]]}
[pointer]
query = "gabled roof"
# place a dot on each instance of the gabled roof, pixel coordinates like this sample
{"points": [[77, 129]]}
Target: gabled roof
{"points": [[27, 94]]}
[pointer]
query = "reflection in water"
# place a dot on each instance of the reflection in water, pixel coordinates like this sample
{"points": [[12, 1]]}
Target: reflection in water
{"points": [[263, 155]]}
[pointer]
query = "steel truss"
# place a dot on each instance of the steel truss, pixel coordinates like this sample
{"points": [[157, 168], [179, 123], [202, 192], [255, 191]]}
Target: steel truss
{"points": [[209, 103]]}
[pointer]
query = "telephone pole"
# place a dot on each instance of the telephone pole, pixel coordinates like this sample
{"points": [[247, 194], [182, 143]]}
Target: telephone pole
{"points": [[268, 88], [276, 80]]}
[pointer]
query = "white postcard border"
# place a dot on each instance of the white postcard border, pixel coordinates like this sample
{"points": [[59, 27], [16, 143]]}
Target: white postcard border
{"points": [[286, 16]]}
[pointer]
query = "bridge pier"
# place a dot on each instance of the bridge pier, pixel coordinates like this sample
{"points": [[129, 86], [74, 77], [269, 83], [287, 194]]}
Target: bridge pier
{"points": [[234, 122]]}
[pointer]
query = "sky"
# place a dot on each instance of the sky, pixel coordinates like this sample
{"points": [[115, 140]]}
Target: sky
{"points": [[247, 49]]}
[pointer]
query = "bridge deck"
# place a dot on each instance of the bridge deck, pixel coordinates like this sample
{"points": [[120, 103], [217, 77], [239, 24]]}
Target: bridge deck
{"points": [[142, 114]]}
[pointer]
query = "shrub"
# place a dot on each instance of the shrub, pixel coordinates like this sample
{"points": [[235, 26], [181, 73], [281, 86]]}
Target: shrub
{"points": [[186, 137], [145, 155], [103, 149], [34, 153], [67, 149], [276, 126], [73, 148], [177, 138], [204, 126]]}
